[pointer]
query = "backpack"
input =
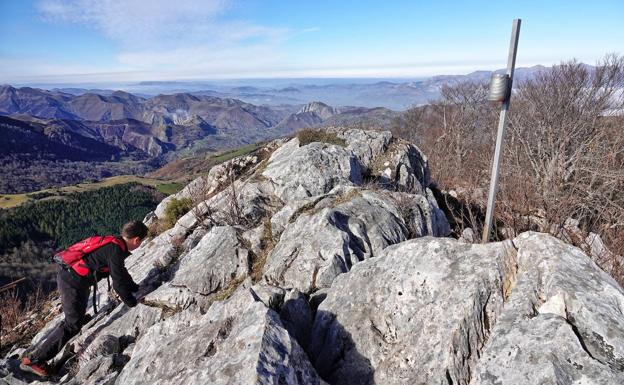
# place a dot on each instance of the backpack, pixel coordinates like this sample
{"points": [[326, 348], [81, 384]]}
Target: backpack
{"points": [[72, 257]]}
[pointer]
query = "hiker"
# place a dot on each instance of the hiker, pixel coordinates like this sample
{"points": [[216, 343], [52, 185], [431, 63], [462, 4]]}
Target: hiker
{"points": [[81, 266]]}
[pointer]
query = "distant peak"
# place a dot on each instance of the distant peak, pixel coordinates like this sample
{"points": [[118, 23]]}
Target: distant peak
{"points": [[315, 107], [319, 108]]}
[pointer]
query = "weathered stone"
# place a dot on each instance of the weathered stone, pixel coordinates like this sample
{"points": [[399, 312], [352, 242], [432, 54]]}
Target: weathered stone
{"points": [[418, 313], [563, 321], [254, 238], [217, 259], [366, 145], [202, 187], [421, 214], [99, 370], [239, 341], [271, 296], [467, 236], [281, 219], [314, 169], [241, 203], [485, 313], [150, 218], [103, 345], [317, 247], [296, 316], [160, 252], [403, 166], [192, 240]]}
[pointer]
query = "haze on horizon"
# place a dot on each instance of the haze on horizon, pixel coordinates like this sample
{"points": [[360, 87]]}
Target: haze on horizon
{"points": [[91, 41]]}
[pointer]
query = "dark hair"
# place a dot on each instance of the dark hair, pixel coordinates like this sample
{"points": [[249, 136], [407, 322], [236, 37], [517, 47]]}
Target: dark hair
{"points": [[134, 229]]}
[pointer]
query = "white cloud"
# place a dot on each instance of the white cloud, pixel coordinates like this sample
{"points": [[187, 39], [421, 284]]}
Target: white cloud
{"points": [[182, 36], [136, 23]]}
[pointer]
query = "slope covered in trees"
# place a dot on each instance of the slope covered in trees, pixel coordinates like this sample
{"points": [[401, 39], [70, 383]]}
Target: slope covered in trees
{"points": [[31, 232]]}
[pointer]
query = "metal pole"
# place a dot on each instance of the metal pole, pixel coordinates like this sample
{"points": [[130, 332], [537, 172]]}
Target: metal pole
{"points": [[511, 65]]}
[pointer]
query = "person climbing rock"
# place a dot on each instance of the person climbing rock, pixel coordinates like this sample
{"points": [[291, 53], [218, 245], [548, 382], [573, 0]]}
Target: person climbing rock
{"points": [[80, 267]]}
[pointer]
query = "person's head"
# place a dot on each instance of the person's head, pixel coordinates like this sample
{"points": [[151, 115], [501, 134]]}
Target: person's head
{"points": [[133, 233]]}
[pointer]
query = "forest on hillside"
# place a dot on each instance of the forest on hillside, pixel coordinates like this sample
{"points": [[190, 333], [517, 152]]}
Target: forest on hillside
{"points": [[30, 233]]}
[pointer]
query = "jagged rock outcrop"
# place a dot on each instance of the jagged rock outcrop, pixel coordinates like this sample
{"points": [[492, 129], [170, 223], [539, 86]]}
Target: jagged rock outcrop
{"points": [[217, 260], [218, 176], [436, 311], [331, 236], [300, 172], [238, 341], [324, 264]]}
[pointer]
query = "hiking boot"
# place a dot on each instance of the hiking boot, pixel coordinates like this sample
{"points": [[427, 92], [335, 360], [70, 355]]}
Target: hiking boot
{"points": [[28, 366]]}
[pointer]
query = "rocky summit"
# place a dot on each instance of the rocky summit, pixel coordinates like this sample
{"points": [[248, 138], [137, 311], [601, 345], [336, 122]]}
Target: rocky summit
{"points": [[330, 263]]}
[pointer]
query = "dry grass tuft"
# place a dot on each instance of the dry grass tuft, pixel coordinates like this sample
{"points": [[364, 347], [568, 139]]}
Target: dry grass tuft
{"points": [[308, 135]]}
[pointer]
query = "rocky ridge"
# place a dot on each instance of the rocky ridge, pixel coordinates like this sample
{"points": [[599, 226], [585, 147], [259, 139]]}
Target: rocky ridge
{"points": [[327, 264]]}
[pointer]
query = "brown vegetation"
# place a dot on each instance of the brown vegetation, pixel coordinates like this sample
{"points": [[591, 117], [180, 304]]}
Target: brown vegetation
{"points": [[563, 157], [308, 135], [21, 319]]}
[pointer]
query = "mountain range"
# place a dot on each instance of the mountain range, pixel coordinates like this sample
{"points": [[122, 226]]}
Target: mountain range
{"points": [[392, 93], [164, 124], [43, 129]]}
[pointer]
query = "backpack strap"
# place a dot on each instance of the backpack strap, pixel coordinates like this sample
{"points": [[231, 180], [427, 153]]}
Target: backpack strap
{"points": [[95, 311]]}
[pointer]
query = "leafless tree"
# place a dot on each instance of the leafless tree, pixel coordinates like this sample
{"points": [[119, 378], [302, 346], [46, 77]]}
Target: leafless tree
{"points": [[564, 152]]}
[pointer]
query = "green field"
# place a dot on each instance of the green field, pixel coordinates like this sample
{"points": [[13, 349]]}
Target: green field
{"points": [[170, 188], [223, 157], [13, 200]]}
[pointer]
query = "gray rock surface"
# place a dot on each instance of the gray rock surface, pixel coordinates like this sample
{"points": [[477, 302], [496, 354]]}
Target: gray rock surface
{"points": [[217, 259], [239, 341], [563, 322], [327, 241], [437, 311], [103, 345], [366, 145], [298, 274], [415, 314], [204, 186], [313, 169]]}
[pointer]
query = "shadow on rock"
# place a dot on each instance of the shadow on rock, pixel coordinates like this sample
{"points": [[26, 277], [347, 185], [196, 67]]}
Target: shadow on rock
{"points": [[334, 354]]}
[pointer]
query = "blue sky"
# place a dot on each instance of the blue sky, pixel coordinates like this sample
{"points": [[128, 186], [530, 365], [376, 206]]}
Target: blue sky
{"points": [[75, 41]]}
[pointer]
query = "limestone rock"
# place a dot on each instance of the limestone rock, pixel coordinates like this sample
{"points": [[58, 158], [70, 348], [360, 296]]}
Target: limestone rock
{"points": [[437, 311], [314, 169], [415, 314], [218, 177], [270, 296], [366, 145], [403, 165], [297, 317], [318, 246], [239, 341], [217, 259], [563, 321], [103, 345]]}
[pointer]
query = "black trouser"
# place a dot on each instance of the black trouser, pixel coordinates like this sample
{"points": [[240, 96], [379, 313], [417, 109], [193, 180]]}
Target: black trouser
{"points": [[74, 292]]}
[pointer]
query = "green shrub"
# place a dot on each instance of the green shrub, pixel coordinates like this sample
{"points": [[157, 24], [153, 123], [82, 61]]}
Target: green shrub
{"points": [[175, 209], [309, 135]]}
